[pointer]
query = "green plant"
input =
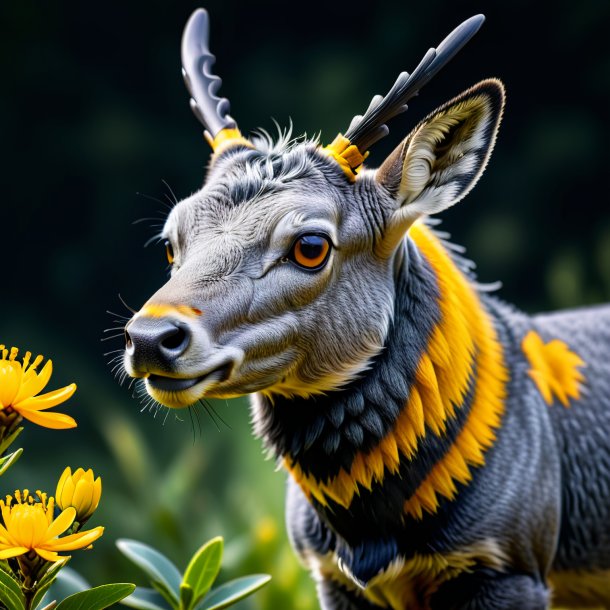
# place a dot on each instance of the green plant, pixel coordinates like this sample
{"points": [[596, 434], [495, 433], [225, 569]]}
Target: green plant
{"points": [[31, 533], [191, 590]]}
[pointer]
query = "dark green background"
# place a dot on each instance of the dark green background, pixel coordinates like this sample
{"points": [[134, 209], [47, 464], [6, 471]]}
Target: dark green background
{"points": [[93, 111]]}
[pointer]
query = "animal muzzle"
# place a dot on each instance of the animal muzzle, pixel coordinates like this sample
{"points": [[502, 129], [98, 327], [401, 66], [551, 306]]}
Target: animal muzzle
{"points": [[171, 350]]}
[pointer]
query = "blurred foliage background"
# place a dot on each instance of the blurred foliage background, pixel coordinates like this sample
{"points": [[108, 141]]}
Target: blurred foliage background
{"points": [[94, 117]]}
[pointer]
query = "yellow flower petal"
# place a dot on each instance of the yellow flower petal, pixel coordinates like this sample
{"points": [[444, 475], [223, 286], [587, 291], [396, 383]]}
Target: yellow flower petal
{"points": [[6, 515], [30, 527], [61, 523], [46, 401], [67, 493], [10, 379], [20, 383], [13, 552], [80, 490], [48, 555], [83, 496], [57, 421], [66, 474], [76, 541], [97, 492], [34, 383]]}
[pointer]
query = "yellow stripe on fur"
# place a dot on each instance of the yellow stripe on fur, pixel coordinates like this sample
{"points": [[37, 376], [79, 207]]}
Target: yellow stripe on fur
{"points": [[441, 383], [580, 588], [160, 310], [409, 583], [554, 368], [465, 326]]}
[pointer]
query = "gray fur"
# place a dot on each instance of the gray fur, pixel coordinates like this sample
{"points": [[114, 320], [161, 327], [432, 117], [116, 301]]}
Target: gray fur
{"points": [[230, 240], [329, 355]]}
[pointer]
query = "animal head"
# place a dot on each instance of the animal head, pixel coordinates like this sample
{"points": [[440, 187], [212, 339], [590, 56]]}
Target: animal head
{"points": [[283, 264]]}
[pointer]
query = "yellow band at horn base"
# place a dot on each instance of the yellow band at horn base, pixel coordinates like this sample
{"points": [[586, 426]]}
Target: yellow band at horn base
{"points": [[347, 155], [226, 138]]}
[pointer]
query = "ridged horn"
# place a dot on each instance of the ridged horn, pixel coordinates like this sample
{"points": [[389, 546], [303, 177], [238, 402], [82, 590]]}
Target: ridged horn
{"points": [[212, 111], [351, 149]]}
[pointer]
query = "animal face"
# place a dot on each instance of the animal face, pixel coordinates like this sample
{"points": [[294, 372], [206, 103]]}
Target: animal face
{"points": [[283, 263], [273, 262]]}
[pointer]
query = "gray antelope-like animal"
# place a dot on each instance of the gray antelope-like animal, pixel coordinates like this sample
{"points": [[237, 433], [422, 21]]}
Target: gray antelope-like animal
{"points": [[444, 450]]}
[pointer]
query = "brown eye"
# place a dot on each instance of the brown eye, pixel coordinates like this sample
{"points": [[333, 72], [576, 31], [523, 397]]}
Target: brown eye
{"points": [[311, 251], [169, 251]]}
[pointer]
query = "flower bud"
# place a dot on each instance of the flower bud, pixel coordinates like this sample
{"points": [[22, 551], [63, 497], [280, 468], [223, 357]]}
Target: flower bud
{"points": [[80, 491]]}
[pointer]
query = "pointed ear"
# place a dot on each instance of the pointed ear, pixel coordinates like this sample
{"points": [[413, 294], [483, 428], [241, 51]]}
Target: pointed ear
{"points": [[438, 163]]}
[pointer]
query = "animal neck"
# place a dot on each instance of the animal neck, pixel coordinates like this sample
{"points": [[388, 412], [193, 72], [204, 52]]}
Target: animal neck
{"points": [[420, 420]]}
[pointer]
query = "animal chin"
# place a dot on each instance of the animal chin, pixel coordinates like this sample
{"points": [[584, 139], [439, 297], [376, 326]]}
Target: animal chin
{"points": [[178, 393]]}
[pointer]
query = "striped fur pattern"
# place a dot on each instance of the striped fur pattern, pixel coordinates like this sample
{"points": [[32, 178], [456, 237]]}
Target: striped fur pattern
{"points": [[444, 451]]}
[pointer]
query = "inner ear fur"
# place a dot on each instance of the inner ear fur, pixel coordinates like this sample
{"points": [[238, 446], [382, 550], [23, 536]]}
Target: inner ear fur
{"points": [[438, 163]]}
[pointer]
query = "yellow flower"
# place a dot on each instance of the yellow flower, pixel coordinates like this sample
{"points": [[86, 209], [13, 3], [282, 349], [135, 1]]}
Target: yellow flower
{"points": [[19, 384], [80, 491], [29, 526]]}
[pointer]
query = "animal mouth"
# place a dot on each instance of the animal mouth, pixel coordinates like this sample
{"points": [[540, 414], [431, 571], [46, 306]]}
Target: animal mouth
{"points": [[171, 384], [177, 392]]}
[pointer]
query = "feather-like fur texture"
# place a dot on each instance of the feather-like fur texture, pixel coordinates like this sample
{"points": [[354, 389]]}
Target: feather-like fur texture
{"points": [[443, 449]]}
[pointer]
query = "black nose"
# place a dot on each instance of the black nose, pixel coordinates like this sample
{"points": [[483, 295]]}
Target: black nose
{"points": [[156, 343]]}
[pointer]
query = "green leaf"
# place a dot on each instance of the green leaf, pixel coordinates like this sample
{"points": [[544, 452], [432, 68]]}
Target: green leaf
{"points": [[59, 586], [8, 460], [47, 580], [43, 596], [71, 582], [97, 598], [145, 599], [186, 597], [6, 443], [166, 593], [203, 568], [233, 591], [4, 567], [52, 570], [156, 565], [10, 592], [50, 606]]}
